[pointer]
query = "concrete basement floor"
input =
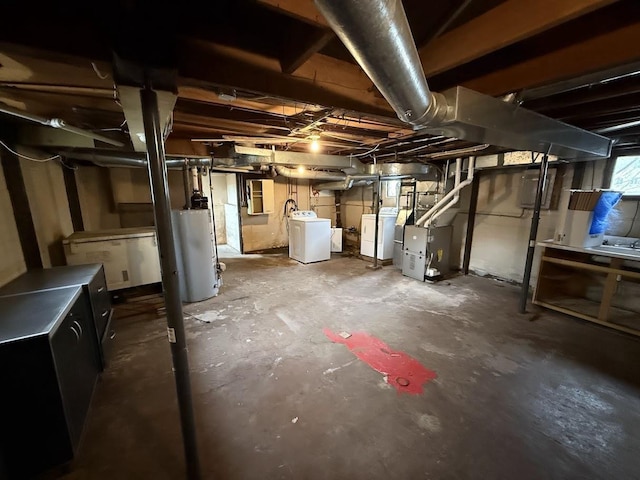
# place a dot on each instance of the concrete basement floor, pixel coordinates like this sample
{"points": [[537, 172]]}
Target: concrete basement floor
{"points": [[513, 398]]}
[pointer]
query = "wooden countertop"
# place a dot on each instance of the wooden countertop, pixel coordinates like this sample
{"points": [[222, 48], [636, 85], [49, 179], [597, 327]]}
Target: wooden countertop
{"points": [[623, 253]]}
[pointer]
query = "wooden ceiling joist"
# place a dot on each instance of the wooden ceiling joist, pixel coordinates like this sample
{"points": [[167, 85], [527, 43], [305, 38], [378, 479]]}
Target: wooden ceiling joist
{"points": [[322, 80], [304, 10], [506, 24], [598, 53]]}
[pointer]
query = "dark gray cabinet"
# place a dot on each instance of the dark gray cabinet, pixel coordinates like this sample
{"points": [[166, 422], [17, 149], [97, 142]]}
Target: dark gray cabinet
{"points": [[91, 278], [48, 370]]}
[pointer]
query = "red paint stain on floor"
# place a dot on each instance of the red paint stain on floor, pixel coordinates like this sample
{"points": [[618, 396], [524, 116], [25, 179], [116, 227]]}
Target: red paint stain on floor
{"points": [[402, 371]]}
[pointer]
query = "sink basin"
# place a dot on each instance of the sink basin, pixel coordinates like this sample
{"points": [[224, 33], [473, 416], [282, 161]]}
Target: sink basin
{"points": [[618, 249]]}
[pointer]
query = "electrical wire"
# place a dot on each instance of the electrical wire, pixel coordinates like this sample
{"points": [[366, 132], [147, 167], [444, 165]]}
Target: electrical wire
{"points": [[101, 76], [40, 160], [366, 153], [74, 168]]}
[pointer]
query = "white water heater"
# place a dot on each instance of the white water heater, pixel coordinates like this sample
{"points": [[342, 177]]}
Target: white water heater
{"points": [[195, 252]]}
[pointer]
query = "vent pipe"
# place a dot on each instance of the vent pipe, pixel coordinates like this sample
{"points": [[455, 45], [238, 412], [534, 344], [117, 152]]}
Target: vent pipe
{"points": [[378, 36]]}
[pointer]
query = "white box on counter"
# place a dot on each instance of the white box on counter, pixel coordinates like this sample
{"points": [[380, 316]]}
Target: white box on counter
{"points": [[573, 229]]}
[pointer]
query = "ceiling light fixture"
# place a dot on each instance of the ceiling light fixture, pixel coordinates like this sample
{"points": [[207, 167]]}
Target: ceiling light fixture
{"points": [[314, 146]]}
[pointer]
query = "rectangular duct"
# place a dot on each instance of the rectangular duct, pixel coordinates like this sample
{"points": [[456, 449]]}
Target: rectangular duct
{"points": [[483, 119]]}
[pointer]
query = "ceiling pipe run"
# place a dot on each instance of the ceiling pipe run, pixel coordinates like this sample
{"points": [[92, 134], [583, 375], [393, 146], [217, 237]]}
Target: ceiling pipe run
{"points": [[108, 158], [377, 34], [57, 123], [306, 174]]}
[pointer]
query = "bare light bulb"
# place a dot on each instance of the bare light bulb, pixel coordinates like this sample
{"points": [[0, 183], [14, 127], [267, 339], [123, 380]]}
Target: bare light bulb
{"points": [[300, 169], [314, 146]]}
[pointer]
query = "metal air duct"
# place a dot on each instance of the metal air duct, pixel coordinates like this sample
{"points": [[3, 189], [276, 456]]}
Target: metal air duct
{"points": [[377, 34]]}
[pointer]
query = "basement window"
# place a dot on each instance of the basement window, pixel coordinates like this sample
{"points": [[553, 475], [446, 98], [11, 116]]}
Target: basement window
{"points": [[626, 176]]}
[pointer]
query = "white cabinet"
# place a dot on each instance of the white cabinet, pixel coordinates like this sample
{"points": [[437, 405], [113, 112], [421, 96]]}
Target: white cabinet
{"points": [[260, 197], [386, 225]]}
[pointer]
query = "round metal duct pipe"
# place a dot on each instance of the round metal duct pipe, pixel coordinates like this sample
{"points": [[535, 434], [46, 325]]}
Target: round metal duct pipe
{"points": [[378, 36]]}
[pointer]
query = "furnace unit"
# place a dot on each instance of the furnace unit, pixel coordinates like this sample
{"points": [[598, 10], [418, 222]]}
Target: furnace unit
{"points": [[426, 253]]}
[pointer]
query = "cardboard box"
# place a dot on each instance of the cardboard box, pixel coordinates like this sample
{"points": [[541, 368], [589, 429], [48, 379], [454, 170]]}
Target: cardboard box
{"points": [[573, 230]]}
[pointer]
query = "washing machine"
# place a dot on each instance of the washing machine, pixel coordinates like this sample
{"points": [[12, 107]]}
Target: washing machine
{"points": [[386, 226], [309, 237]]}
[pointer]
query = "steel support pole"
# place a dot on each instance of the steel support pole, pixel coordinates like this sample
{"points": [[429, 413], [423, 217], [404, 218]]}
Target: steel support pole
{"points": [[175, 322], [533, 234], [471, 222]]}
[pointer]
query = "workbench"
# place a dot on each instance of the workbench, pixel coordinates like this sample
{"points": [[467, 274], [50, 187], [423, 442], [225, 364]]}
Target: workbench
{"points": [[597, 284]]}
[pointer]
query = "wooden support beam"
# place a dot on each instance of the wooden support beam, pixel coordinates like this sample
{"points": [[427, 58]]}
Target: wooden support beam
{"points": [[186, 119], [508, 23], [20, 201], [591, 94], [299, 52], [598, 53], [320, 81], [301, 9], [621, 106]]}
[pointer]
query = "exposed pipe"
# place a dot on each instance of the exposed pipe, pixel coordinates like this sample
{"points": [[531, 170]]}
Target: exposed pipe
{"points": [[378, 36], [346, 184], [57, 123], [455, 153], [449, 195], [170, 281], [107, 158], [456, 188], [187, 188], [195, 179], [306, 174], [234, 170]]}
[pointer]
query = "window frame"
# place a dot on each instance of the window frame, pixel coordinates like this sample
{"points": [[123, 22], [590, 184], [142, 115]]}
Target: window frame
{"points": [[635, 196]]}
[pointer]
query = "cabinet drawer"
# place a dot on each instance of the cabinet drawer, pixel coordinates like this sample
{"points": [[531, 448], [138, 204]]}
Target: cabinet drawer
{"points": [[75, 357], [100, 303], [106, 342]]}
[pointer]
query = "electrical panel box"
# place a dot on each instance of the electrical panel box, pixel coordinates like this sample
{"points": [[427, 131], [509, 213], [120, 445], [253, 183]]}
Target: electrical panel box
{"points": [[260, 197], [529, 188]]}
